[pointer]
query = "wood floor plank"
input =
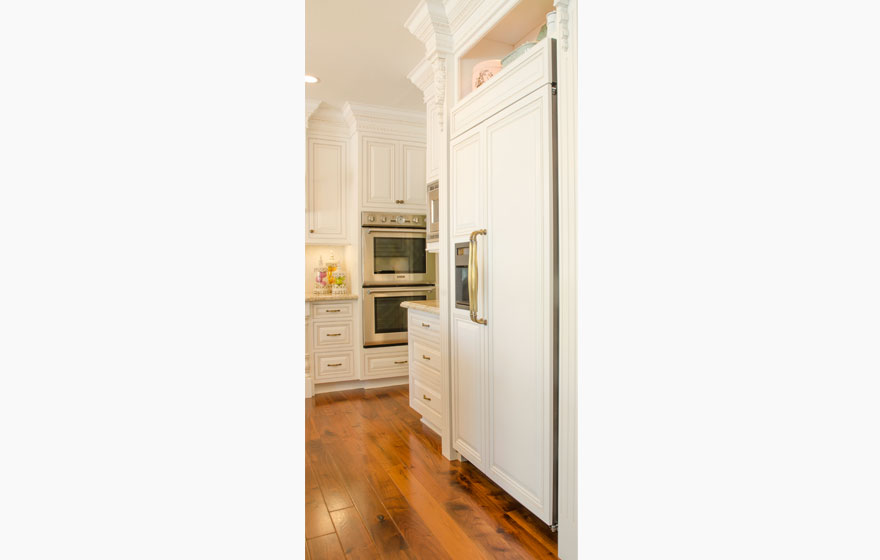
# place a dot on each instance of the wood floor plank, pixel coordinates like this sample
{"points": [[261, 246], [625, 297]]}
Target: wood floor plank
{"points": [[318, 520], [355, 540], [451, 536], [325, 547], [385, 534], [328, 477]]}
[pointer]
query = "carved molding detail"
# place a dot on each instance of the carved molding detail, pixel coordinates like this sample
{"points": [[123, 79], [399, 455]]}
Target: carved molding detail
{"points": [[562, 21], [439, 67]]}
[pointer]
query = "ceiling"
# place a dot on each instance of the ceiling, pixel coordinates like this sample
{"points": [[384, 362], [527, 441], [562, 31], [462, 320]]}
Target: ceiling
{"points": [[362, 53]]}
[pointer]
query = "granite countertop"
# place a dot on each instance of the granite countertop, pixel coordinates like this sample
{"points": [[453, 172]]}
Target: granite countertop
{"points": [[428, 305], [330, 297]]}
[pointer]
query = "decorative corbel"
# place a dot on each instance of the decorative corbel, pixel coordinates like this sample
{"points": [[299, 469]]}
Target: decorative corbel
{"points": [[438, 65], [562, 21]]}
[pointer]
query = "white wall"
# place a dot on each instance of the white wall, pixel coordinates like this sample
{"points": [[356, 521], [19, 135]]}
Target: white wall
{"points": [[730, 285]]}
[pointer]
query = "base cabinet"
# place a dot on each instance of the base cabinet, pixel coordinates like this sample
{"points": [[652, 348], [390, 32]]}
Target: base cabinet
{"points": [[390, 361], [425, 377], [331, 338]]}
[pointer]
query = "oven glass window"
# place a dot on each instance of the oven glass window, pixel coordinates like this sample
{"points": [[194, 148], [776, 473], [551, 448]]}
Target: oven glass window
{"points": [[399, 255], [390, 317]]}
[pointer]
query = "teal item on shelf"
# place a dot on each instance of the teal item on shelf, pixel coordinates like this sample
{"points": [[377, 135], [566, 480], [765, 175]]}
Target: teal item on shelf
{"points": [[517, 52]]}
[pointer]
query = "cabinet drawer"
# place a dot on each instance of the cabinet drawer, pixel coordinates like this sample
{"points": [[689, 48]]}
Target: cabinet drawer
{"points": [[386, 363], [333, 310], [425, 375], [426, 401], [424, 354], [424, 325], [332, 366], [333, 334]]}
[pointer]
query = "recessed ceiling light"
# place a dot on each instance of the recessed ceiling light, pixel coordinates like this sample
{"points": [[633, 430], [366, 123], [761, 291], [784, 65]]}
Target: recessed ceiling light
{"points": [[311, 79]]}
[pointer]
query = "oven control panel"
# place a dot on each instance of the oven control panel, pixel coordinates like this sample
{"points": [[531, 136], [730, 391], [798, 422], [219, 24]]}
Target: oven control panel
{"points": [[391, 219]]}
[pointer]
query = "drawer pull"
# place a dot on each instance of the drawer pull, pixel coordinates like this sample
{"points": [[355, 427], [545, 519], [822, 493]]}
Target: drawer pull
{"points": [[334, 365], [426, 325], [333, 310], [425, 357], [403, 362], [334, 334], [426, 397]]}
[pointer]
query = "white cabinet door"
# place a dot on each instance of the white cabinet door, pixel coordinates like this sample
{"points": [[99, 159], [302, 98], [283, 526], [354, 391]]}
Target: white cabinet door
{"points": [[413, 193], [520, 305], [466, 179], [378, 172], [469, 389], [326, 180]]}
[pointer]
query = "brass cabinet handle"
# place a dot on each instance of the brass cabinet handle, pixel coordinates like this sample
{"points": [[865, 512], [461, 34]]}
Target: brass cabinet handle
{"points": [[426, 325], [473, 275], [333, 310], [311, 231], [334, 365], [403, 362], [426, 397], [334, 334], [425, 357]]}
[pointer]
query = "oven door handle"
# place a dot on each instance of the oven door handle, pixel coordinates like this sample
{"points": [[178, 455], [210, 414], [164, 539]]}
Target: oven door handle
{"points": [[401, 289], [392, 230]]}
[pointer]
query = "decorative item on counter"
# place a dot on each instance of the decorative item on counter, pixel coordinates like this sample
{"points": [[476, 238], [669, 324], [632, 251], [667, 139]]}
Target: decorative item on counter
{"points": [[322, 280], [337, 283], [484, 71], [332, 265]]}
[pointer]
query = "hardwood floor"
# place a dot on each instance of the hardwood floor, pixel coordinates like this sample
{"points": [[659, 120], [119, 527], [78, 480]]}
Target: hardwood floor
{"points": [[378, 487]]}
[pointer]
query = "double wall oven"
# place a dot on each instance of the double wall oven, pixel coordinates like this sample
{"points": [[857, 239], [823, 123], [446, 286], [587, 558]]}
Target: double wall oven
{"points": [[396, 269]]}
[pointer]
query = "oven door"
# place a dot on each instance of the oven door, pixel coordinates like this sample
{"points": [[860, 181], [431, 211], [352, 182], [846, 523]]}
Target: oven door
{"points": [[396, 256], [384, 319]]}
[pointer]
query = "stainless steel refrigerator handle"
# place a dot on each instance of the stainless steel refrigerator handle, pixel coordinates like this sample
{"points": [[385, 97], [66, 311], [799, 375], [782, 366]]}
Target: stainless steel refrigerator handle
{"points": [[473, 276]]}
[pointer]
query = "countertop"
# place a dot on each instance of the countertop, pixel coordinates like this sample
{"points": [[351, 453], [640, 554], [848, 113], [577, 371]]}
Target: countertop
{"points": [[330, 297], [428, 306]]}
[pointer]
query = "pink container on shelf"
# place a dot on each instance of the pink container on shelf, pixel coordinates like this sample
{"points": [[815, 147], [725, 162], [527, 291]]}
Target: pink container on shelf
{"points": [[484, 71]]}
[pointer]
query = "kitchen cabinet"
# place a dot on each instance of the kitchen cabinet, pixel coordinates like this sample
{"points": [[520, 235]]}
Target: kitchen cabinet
{"points": [[392, 174], [502, 179], [425, 395], [332, 342], [326, 200]]}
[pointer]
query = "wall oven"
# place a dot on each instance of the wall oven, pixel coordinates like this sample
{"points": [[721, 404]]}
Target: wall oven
{"points": [[394, 249], [384, 319]]}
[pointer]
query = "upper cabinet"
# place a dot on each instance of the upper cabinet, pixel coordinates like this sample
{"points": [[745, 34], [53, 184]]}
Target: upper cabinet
{"points": [[390, 157], [392, 174], [325, 190]]}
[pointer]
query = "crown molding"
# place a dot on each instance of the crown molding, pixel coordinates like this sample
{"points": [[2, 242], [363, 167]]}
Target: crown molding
{"points": [[311, 106], [422, 75], [430, 25], [377, 119], [327, 120]]}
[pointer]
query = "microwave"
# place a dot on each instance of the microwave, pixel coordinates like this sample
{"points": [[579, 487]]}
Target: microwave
{"points": [[433, 217]]}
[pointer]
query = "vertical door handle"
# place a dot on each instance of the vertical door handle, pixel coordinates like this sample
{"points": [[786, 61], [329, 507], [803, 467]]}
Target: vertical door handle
{"points": [[473, 276]]}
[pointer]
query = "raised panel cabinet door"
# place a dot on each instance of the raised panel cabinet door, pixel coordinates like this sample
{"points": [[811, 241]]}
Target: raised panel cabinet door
{"points": [[326, 170], [379, 174], [413, 192], [468, 190], [520, 262], [469, 388]]}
